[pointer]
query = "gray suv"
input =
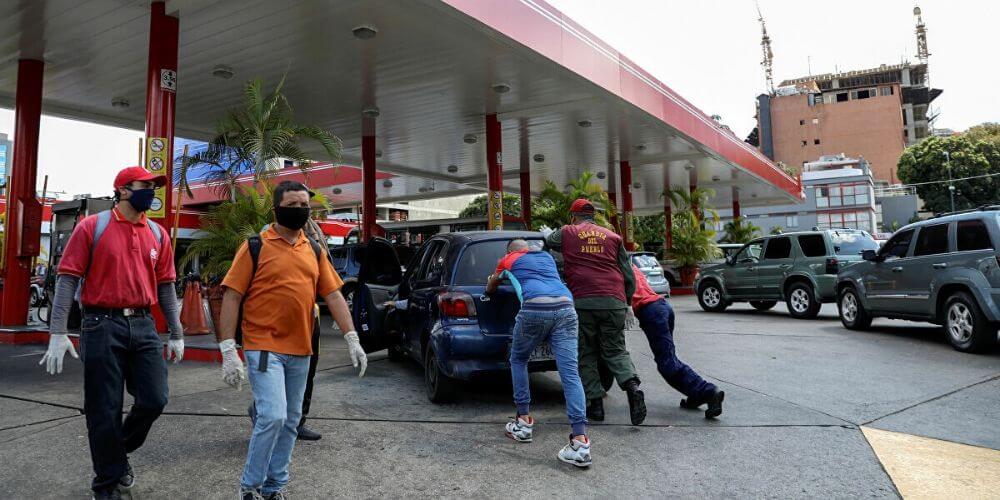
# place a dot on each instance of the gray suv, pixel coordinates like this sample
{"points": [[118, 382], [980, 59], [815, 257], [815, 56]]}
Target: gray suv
{"points": [[944, 270]]}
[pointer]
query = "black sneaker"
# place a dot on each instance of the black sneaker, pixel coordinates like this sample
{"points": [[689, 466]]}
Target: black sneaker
{"points": [[595, 410], [127, 480], [248, 494], [715, 404], [108, 494], [306, 434], [691, 403], [277, 495], [636, 402]]}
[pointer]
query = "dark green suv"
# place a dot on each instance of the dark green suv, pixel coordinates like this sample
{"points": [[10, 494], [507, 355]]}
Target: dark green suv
{"points": [[798, 268], [944, 270]]}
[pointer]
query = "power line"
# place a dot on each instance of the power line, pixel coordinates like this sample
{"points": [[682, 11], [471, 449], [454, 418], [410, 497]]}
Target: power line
{"points": [[945, 181]]}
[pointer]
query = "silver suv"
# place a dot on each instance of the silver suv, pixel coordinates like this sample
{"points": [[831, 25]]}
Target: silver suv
{"points": [[944, 270]]}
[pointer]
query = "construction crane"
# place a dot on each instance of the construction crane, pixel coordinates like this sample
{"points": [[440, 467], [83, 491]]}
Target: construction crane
{"points": [[765, 45], [922, 53]]}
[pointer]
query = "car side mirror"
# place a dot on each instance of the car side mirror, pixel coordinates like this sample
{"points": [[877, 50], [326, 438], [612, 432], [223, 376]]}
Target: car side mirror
{"points": [[869, 255], [731, 260]]}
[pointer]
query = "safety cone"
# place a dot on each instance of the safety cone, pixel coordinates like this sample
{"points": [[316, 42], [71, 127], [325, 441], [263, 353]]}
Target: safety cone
{"points": [[192, 311]]}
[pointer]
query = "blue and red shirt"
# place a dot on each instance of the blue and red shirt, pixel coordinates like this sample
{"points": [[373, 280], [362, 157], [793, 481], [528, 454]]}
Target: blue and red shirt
{"points": [[533, 274]]}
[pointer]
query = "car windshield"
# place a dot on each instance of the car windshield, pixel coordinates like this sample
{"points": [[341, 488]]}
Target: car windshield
{"points": [[852, 242], [644, 261], [480, 259]]}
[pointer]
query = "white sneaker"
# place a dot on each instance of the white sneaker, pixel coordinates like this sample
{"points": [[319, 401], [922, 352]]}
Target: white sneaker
{"points": [[576, 453], [519, 429]]}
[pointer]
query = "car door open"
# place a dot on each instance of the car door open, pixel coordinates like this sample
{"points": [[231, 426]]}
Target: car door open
{"points": [[378, 281]]}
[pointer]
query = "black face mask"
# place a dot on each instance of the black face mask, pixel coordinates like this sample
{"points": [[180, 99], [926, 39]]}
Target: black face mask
{"points": [[291, 217], [141, 199]]}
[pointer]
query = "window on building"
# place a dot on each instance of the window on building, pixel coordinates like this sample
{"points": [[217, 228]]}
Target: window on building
{"points": [[802, 122], [815, 141], [972, 235], [842, 195], [791, 221], [852, 219], [885, 90], [864, 94], [804, 143], [842, 97], [815, 121], [812, 245], [932, 240], [778, 248]]}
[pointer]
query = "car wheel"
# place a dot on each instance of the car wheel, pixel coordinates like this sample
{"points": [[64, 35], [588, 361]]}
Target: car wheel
{"points": [[852, 313], [967, 327], [763, 305], [710, 297], [348, 292], [801, 300], [34, 298], [440, 387]]}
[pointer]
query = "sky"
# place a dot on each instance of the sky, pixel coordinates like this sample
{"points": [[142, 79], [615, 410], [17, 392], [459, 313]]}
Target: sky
{"points": [[708, 51]]}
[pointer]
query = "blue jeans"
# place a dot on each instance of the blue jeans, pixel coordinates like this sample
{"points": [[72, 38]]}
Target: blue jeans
{"points": [[558, 327], [277, 394], [657, 321], [119, 351]]}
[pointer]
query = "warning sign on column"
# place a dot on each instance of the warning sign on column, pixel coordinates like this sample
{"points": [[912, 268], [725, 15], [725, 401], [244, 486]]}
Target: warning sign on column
{"points": [[494, 211], [157, 159]]}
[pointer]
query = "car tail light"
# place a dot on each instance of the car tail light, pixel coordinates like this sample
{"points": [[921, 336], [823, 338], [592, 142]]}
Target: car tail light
{"points": [[456, 305], [832, 266]]}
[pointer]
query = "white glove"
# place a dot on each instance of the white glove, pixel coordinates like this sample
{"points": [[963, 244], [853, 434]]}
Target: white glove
{"points": [[630, 322], [233, 371], [175, 350], [358, 355], [545, 230], [53, 359]]}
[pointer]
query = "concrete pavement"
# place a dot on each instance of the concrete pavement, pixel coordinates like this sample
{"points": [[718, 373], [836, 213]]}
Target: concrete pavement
{"points": [[797, 394]]}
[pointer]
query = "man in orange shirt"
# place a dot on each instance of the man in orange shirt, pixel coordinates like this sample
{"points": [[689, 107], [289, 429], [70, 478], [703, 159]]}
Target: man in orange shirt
{"points": [[277, 328]]}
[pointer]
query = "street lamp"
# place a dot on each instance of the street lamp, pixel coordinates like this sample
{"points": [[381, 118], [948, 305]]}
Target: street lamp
{"points": [[951, 185]]}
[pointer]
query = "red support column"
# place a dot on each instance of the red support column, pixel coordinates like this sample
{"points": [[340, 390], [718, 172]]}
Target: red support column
{"points": [[736, 204], [22, 202], [668, 215], [494, 173], [161, 88], [526, 196], [368, 186], [626, 190]]}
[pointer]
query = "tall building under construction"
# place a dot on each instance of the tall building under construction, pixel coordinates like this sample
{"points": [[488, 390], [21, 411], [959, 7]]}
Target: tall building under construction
{"points": [[871, 113]]}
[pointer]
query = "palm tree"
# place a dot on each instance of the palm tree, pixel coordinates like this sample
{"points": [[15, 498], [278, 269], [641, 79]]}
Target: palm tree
{"points": [[226, 226], [254, 137], [739, 230], [551, 206], [695, 200]]}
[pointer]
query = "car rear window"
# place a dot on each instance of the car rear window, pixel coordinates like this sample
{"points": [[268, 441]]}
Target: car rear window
{"points": [[852, 242], [480, 259], [972, 235], [812, 245], [645, 261]]}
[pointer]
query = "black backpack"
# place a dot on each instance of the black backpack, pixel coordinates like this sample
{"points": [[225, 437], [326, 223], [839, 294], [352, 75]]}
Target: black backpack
{"points": [[254, 244]]}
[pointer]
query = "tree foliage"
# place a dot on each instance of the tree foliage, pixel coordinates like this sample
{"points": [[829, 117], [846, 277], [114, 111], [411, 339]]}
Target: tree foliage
{"points": [[225, 227], [254, 137], [692, 243], [739, 230], [649, 229], [478, 206], [551, 206], [974, 154]]}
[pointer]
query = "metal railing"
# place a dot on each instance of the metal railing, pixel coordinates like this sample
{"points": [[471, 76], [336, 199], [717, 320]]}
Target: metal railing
{"points": [[886, 191]]}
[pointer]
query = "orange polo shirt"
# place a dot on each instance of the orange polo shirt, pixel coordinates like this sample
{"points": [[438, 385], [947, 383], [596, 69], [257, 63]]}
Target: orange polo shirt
{"points": [[278, 311]]}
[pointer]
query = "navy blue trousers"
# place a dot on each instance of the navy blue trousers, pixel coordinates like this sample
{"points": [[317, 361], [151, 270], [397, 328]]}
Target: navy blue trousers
{"points": [[657, 321]]}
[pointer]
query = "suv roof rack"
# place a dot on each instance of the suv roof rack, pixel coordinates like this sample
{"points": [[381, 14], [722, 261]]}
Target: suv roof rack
{"points": [[982, 208]]}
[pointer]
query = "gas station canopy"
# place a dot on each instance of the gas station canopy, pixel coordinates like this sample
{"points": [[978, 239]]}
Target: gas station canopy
{"points": [[426, 71]]}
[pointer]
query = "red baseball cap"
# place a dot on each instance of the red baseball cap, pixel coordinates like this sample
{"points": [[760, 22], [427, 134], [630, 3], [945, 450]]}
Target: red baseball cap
{"points": [[581, 206], [130, 174]]}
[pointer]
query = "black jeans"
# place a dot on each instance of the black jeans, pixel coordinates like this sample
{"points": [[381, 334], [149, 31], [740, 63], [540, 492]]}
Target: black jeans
{"points": [[119, 351]]}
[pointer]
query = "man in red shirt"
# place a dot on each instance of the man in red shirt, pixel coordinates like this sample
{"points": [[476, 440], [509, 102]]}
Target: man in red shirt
{"points": [[118, 264], [597, 270], [656, 318]]}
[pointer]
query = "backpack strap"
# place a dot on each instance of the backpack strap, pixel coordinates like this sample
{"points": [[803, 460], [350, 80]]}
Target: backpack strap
{"points": [[254, 244], [103, 219], [157, 231]]}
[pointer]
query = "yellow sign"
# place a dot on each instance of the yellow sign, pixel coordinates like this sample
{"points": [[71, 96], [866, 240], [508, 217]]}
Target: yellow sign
{"points": [[494, 211], [157, 158]]}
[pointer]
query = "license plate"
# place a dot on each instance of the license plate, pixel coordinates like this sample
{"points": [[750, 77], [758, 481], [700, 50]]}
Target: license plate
{"points": [[542, 352]]}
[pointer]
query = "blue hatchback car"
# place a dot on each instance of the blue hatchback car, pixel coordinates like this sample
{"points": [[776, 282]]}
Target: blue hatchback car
{"points": [[450, 326]]}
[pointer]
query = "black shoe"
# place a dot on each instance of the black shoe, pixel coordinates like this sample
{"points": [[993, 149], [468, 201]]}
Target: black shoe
{"points": [[108, 494], [715, 404], [305, 434], [636, 402], [595, 410], [252, 413], [246, 494], [277, 495], [127, 480], [691, 403]]}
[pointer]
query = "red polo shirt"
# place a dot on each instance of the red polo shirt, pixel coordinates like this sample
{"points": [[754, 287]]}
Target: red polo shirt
{"points": [[129, 262]]}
